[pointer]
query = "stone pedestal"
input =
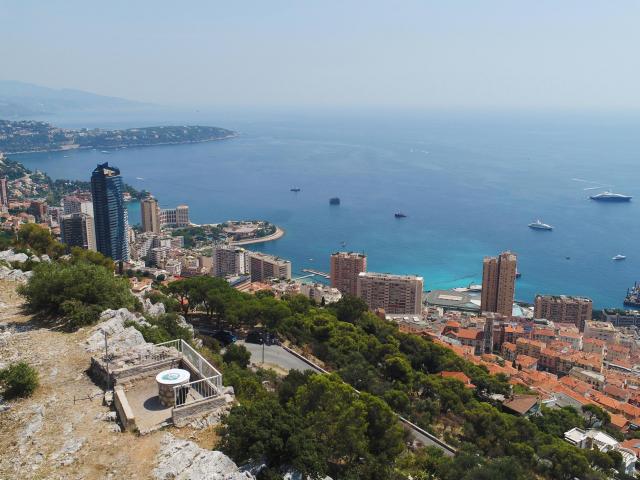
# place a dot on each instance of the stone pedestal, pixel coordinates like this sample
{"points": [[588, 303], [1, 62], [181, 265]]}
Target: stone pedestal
{"points": [[169, 379]]}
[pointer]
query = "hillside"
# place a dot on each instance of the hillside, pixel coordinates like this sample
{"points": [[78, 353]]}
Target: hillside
{"points": [[34, 136], [20, 100]]}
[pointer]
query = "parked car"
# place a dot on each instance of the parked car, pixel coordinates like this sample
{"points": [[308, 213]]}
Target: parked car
{"points": [[225, 337], [259, 336]]}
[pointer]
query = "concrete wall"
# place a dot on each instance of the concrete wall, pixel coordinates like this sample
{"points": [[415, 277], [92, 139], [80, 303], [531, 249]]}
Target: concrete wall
{"points": [[125, 413], [185, 414]]}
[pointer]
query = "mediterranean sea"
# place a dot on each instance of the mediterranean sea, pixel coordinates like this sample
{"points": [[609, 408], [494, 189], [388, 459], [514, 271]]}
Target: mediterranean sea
{"points": [[469, 183]]}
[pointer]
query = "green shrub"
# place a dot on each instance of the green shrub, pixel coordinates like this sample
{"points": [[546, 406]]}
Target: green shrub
{"points": [[19, 380], [77, 292], [237, 354]]}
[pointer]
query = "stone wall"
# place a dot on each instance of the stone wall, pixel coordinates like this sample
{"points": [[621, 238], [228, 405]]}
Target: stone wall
{"points": [[183, 415]]}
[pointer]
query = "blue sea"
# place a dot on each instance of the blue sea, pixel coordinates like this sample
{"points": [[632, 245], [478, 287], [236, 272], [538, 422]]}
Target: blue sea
{"points": [[469, 183]]}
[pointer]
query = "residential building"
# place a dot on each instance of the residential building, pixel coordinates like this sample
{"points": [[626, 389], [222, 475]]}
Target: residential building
{"points": [[344, 270], [604, 331], [592, 438], [77, 204], [77, 231], [564, 309], [622, 318], [319, 293], [229, 260], [4, 192], [110, 213], [266, 267], [393, 293], [532, 348], [498, 283], [38, 209], [175, 217], [150, 212]]}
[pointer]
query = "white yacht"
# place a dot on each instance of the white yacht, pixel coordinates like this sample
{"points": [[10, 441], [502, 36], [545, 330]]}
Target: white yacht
{"points": [[538, 225], [619, 257]]}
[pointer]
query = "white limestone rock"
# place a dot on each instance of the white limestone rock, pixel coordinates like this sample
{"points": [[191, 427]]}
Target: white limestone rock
{"points": [[153, 309], [120, 338], [183, 460]]}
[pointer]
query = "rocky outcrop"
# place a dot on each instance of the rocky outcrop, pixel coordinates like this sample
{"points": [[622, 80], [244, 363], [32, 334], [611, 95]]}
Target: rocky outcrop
{"points": [[183, 460], [121, 338], [14, 274], [10, 256], [153, 309]]}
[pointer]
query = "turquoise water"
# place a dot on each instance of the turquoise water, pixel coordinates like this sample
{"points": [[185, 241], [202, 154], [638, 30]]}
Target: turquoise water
{"points": [[469, 182]]}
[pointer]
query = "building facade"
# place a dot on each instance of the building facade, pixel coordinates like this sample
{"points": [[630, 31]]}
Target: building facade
{"points": [[564, 309], [266, 267], [77, 231], [150, 212], [393, 293], [498, 283], [175, 217], [74, 204], [110, 213], [229, 260], [344, 271], [4, 192]]}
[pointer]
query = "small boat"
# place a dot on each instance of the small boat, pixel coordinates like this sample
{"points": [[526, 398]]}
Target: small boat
{"points": [[105, 151], [538, 225], [295, 190], [334, 201], [619, 257], [139, 178], [399, 215], [518, 274]]}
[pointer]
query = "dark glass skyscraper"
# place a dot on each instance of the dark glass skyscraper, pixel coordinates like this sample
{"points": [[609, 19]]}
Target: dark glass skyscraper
{"points": [[110, 212]]}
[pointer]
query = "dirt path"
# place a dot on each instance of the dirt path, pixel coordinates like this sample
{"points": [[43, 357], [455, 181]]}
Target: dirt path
{"points": [[50, 435]]}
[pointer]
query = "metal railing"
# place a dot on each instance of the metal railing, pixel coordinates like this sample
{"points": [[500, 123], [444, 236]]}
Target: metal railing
{"points": [[195, 391], [210, 385]]}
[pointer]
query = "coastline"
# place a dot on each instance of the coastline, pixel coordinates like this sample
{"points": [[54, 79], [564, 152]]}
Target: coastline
{"points": [[274, 236], [69, 148]]}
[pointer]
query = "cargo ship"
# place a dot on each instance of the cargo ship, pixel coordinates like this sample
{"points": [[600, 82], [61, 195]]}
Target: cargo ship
{"points": [[633, 296]]}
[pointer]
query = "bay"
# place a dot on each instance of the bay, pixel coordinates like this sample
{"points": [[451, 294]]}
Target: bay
{"points": [[468, 181]]}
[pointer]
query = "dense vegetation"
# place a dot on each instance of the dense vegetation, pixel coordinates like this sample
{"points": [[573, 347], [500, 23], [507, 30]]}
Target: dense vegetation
{"points": [[77, 287], [34, 136], [18, 380], [398, 370], [194, 236]]}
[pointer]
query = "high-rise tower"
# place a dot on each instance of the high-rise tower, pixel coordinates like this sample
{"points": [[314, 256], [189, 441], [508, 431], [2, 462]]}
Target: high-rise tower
{"points": [[110, 212], [498, 283]]}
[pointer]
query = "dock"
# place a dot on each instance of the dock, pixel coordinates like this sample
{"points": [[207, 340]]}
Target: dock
{"points": [[316, 272]]}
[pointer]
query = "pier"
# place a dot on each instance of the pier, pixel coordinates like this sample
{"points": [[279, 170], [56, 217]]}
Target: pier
{"points": [[316, 272]]}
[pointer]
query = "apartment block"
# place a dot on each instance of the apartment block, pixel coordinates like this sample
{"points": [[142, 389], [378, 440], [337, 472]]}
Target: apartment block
{"points": [[344, 270], [266, 267], [392, 293], [564, 309], [498, 283], [229, 260]]}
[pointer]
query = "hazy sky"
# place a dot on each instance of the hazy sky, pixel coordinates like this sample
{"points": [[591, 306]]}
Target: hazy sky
{"points": [[451, 53]]}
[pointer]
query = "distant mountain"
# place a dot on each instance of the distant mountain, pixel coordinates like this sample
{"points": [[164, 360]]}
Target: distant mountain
{"points": [[21, 100]]}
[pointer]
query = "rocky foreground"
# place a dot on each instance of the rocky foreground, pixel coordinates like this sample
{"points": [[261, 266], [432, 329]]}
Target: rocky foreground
{"points": [[65, 431]]}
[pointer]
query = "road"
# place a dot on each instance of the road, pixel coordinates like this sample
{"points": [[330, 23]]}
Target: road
{"points": [[276, 355]]}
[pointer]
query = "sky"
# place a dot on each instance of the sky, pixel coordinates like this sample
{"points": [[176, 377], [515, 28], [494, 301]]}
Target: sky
{"points": [[402, 53]]}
